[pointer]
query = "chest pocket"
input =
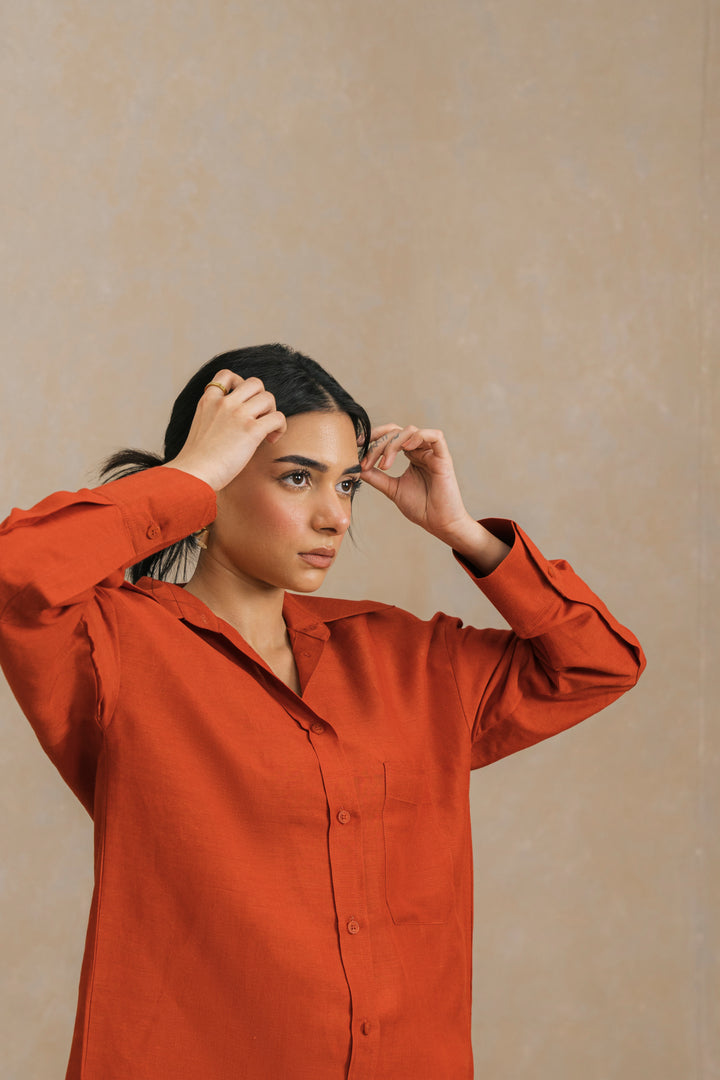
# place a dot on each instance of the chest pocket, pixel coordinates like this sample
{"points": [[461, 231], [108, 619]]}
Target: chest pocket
{"points": [[418, 864]]}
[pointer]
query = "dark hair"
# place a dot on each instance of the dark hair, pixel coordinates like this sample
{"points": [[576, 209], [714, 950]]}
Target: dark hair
{"points": [[298, 384]]}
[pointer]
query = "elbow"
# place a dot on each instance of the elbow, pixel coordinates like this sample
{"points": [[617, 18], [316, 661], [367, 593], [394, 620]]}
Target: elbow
{"points": [[622, 675], [623, 662], [611, 677], [637, 662]]}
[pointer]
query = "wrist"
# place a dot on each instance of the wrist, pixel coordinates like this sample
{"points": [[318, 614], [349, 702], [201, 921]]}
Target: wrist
{"points": [[478, 546], [462, 534], [187, 466]]}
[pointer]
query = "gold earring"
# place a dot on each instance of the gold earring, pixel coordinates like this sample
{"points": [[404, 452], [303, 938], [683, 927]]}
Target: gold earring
{"points": [[200, 537]]}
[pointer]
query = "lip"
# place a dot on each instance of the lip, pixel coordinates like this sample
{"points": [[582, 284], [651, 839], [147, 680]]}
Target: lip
{"points": [[319, 557]]}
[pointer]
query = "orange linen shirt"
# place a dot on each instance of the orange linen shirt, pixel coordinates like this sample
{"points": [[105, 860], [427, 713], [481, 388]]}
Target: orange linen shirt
{"points": [[283, 883]]}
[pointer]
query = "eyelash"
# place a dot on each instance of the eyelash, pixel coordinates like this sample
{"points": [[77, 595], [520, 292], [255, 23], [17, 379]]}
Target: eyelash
{"points": [[307, 476]]}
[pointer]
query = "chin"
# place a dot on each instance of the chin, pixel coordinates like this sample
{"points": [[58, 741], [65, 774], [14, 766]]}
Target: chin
{"points": [[306, 582], [305, 586]]}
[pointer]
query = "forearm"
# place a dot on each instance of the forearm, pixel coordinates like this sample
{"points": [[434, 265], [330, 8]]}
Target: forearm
{"points": [[564, 658], [72, 541]]}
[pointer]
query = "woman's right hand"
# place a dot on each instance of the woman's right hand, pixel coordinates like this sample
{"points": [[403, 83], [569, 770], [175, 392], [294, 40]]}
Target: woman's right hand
{"points": [[228, 428]]}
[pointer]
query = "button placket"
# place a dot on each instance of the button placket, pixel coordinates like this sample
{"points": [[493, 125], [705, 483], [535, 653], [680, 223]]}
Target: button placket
{"points": [[345, 850], [308, 645]]}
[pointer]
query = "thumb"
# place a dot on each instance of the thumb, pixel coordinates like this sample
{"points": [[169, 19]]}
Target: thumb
{"points": [[381, 481]]}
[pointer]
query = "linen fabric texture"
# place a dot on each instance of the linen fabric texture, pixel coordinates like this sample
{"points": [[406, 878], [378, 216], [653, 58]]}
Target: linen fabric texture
{"points": [[283, 883]]}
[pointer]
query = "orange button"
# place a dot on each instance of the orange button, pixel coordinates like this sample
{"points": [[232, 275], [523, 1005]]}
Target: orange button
{"points": [[343, 816], [353, 926], [317, 727], [366, 1027], [152, 532]]}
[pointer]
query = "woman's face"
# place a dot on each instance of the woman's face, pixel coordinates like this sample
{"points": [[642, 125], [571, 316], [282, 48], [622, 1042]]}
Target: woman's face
{"points": [[281, 521]]}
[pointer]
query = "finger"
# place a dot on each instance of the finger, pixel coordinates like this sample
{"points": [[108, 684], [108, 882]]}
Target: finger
{"points": [[381, 437], [222, 383], [382, 430], [406, 438], [245, 389], [422, 442], [278, 425], [434, 440], [259, 404], [397, 443], [377, 479]]}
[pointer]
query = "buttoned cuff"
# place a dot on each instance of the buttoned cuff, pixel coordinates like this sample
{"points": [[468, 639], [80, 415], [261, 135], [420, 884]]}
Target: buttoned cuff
{"points": [[522, 586], [160, 506]]}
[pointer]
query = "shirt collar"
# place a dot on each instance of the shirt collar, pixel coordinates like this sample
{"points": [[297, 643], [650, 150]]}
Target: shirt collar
{"points": [[302, 613]]}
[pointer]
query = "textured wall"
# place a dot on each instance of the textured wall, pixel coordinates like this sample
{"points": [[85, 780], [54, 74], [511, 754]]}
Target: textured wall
{"points": [[497, 218]]}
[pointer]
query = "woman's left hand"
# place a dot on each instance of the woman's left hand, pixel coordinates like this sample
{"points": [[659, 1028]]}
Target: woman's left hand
{"points": [[427, 493]]}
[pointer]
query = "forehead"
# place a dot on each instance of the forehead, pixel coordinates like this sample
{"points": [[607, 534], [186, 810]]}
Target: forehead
{"points": [[327, 437]]}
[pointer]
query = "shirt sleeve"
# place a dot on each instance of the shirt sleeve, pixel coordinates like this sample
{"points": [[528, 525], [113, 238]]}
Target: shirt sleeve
{"points": [[564, 658], [60, 564]]}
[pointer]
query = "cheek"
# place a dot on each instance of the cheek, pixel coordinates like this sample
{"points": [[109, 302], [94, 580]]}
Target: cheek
{"points": [[281, 513]]}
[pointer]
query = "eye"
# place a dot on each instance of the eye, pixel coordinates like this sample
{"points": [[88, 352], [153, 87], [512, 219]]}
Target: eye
{"points": [[349, 485], [299, 478]]}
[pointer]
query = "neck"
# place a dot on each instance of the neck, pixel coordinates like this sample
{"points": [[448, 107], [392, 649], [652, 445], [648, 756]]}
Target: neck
{"points": [[252, 607]]}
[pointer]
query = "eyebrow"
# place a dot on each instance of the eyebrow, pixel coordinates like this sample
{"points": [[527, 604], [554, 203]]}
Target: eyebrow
{"points": [[310, 463]]}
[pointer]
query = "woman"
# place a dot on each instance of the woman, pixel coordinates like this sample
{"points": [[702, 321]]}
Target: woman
{"points": [[279, 783]]}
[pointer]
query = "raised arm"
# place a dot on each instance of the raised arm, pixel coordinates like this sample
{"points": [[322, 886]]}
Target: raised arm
{"points": [[565, 656], [62, 561]]}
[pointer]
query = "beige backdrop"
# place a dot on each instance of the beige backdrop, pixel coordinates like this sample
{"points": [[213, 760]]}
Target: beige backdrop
{"points": [[500, 218]]}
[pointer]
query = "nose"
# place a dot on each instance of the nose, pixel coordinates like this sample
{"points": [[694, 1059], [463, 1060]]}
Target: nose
{"points": [[331, 513]]}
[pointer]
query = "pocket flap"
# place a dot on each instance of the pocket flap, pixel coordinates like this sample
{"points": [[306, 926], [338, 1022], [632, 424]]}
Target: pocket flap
{"points": [[406, 784]]}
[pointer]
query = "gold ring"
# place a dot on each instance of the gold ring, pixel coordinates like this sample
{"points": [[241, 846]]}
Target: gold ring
{"points": [[219, 386]]}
